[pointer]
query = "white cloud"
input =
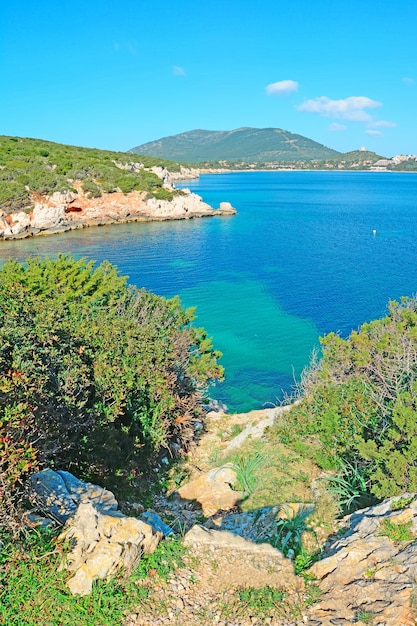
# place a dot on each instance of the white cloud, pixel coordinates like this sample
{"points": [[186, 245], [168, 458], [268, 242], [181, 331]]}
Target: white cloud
{"points": [[408, 80], [281, 88], [178, 71], [352, 108], [382, 124], [334, 127], [374, 133]]}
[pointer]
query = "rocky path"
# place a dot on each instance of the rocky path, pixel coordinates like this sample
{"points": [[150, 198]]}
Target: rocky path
{"points": [[206, 591]]}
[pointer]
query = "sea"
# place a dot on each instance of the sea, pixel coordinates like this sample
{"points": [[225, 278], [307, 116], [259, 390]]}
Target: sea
{"points": [[307, 253]]}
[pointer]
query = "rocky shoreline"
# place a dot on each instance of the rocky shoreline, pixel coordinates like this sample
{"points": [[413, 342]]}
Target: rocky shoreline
{"points": [[72, 210]]}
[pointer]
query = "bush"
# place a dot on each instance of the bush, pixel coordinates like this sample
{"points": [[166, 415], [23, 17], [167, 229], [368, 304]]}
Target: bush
{"points": [[91, 189], [360, 403], [95, 376]]}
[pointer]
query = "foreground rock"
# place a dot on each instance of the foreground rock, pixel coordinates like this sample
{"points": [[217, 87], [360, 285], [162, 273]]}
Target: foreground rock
{"points": [[104, 544], [213, 490], [369, 573], [61, 212], [104, 540]]}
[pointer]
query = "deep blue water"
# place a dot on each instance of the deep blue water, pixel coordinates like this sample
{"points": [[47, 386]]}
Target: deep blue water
{"points": [[298, 260]]}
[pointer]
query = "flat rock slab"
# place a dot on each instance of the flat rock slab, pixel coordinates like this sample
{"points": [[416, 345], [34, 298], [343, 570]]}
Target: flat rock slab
{"points": [[262, 554]]}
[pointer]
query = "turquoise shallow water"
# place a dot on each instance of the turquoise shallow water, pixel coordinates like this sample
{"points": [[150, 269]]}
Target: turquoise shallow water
{"points": [[298, 260]]}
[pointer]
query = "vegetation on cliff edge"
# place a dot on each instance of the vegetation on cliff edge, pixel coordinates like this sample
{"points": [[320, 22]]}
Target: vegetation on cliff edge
{"points": [[34, 166], [96, 376], [360, 405]]}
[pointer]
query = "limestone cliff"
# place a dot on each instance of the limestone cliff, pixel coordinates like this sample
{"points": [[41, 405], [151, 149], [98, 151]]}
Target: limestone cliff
{"points": [[61, 212]]}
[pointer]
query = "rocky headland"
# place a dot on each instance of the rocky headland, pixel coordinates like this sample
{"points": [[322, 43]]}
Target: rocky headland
{"points": [[61, 212]]}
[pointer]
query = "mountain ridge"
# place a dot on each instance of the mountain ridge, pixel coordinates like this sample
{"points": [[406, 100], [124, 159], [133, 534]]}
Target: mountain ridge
{"points": [[241, 144]]}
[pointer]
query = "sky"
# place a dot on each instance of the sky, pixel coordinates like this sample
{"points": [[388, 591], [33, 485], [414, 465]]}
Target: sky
{"points": [[114, 75]]}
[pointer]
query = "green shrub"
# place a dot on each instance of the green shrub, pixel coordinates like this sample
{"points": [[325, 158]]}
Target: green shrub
{"points": [[91, 189], [161, 194], [359, 404], [395, 458], [13, 196], [100, 371], [401, 503], [396, 532]]}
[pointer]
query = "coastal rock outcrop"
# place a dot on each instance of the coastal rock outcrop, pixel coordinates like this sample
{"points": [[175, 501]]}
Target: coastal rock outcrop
{"points": [[103, 545], [66, 211], [184, 206], [15, 226], [371, 570]]}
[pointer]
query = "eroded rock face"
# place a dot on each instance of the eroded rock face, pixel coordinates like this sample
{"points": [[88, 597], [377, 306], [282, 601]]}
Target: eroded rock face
{"points": [[164, 175], [104, 540], [44, 217], [66, 211], [367, 572], [103, 545], [17, 225]]}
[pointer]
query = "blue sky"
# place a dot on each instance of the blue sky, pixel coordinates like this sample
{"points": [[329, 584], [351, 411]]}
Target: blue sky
{"points": [[117, 74]]}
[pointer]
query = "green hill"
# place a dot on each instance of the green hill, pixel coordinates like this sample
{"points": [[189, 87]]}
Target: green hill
{"points": [[30, 166], [358, 156], [243, 144]]}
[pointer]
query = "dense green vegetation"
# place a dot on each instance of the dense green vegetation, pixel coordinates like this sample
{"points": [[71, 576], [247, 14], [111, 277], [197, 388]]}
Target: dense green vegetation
{"points": [[358, 157], [359, 410], [95, 376], [30, 166], [242, 144]]}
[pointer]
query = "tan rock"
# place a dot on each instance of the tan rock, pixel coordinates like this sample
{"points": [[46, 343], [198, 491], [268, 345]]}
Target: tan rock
{"points": [[104, 544], [45, 216], [213, 490]]}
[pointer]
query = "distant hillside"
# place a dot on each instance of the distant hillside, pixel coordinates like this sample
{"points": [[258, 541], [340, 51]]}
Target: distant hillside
{"points": [[30, 166], [358, 156], [243, 144]]}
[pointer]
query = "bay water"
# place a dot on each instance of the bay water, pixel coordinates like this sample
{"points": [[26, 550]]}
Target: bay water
{"points": [[307, 253]]}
